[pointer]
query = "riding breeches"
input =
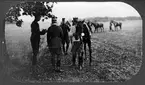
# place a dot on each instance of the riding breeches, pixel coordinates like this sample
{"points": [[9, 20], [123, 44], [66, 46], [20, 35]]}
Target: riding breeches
{"points": [[56, 57], [77, 50], [35, 48]]}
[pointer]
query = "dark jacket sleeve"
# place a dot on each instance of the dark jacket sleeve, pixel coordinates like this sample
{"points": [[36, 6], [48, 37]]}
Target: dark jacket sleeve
{"points": [[48, 35], [42, 32], [61, 33], [34, 28], [68, 28]]}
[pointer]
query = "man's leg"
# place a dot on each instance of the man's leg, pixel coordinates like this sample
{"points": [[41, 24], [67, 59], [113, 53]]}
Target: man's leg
{"points": [[63, 45], [35, 47], [53, 60], [67, 45], [74, 59], [58, 63], [34, 58]]}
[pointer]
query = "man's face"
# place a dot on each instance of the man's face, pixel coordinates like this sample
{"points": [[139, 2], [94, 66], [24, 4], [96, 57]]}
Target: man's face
{"points": [[63, 20], [74, 22]]}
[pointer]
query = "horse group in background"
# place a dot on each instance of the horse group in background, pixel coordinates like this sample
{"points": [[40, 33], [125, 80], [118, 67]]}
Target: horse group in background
{"points": [[98, 26], [115, 24]]}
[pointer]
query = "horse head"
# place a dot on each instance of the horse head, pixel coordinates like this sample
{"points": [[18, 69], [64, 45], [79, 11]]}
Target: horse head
{"points": [[79, 30]]}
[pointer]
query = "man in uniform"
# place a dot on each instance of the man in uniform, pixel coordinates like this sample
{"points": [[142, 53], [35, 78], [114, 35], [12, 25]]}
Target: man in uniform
{"points": [[35, 38], [54, 41]]}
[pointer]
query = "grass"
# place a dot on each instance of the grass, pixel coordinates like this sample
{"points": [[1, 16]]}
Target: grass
{"points": [[117, 56]]}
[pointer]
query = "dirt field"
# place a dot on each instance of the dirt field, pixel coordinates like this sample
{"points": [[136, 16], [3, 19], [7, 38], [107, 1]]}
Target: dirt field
{"points": [[117, 56]]}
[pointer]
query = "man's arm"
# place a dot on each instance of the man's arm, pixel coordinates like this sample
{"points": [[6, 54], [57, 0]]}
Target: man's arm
{"points": [[48, 36], [61, 33], [68, 28], [42, 32]]}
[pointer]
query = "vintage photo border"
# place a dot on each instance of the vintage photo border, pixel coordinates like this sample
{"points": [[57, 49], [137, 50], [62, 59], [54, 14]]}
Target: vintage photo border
{"points": [[138, 79]]}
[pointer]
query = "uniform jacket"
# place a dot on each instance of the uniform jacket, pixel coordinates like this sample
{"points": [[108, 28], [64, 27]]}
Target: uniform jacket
{"points": [[54, 36]]}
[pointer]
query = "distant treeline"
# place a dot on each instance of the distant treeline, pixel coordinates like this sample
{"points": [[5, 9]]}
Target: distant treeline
{"points": [[101, 19], [106, 19]]}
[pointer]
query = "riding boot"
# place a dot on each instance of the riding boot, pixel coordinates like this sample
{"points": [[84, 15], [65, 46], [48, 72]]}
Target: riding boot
{"points": [[90, 56], [58, 66], [53, 62], [90, 63], [34, 58], [82, 58], [80, 62], [58, 63], [64, 48], [67, 49], [73, 60]]}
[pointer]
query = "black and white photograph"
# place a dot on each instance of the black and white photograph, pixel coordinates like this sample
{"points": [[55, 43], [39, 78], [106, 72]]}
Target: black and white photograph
{"points": [[73, 41]]}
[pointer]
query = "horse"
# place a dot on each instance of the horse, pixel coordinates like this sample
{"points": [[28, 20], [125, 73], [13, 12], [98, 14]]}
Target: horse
{"points": [[71, 31], [65, 40], [82, 27], [97, 26], [89, 25], [67, 23], [116, 24]]}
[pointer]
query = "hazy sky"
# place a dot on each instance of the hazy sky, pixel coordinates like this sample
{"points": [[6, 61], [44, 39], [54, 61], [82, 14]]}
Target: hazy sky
{"points": [[91, 9]]}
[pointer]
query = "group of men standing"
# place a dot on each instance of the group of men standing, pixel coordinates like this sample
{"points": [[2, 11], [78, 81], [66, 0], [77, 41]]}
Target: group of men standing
{"points": [[57, 36]]}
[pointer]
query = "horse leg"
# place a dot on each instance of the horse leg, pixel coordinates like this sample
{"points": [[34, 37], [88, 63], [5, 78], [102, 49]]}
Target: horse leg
{"points": [[70, 37], [85, 51], [103, 29], [90, 53], [117, 28], [73, 59], [95, 30], [67, 46], [99, 29], [80, 61], [64, 48]]}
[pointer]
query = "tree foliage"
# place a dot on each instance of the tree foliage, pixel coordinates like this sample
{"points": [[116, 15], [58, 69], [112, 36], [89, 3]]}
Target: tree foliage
{"points": [[35, 8]]}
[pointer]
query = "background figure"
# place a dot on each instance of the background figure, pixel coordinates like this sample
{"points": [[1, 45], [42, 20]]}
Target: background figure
{"points": [[74, 45], [54, 41], [110, 27], [35, 38], [65, 40]]}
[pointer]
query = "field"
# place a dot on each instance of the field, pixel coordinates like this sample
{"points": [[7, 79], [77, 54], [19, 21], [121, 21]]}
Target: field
{"points": [[117, 56]]}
